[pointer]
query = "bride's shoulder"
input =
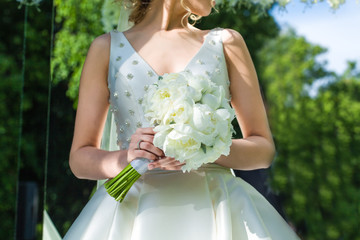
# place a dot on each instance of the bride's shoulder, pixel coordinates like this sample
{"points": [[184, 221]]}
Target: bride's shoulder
{"points": [[102, 41], [231, 37], [234, 44], [100, 47]]}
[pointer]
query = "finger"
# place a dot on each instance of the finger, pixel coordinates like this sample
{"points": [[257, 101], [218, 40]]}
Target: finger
{"points": [[141, 154], [136, 138], [148, 130], [166, 162], [150, 148], [165, 158], [168, 167], [173, 166]]}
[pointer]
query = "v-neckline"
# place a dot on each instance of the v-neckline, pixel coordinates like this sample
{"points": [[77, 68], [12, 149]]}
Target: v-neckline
{"points": [[152, 69]]}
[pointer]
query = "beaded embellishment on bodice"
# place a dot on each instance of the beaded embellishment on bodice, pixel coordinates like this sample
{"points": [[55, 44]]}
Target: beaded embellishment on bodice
{"points": [[130, 76]]}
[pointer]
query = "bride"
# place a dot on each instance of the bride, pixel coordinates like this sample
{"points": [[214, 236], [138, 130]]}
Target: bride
{"points": [[165, 203]]}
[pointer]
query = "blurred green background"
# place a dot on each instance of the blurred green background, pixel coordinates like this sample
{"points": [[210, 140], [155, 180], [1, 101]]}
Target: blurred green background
{"points": [[317, 136]]}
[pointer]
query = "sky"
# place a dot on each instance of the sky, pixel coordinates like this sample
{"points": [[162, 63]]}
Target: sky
{"points": [[338, 31]]}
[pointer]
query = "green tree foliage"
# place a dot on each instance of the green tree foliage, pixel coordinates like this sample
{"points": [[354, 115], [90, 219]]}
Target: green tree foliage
{"points": [[80, 23], [77, 24], [317, 138], [263, 5], [9, 102], [35, 102], [34, 119]]}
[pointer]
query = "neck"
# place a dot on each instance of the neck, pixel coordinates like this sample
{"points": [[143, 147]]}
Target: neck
{"points": [[163, 15]]}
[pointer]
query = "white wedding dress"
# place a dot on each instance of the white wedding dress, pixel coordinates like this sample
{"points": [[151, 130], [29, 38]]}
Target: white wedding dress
{"points": [[207, 204]]}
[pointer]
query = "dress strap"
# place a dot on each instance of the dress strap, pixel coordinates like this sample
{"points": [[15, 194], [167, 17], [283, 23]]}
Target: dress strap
{"points": [[216, 33], [119, 52], [215, 39], [119, 47]]}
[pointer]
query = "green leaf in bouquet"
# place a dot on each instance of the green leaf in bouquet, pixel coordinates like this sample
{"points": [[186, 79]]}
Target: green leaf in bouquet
{"points": [[203, 147]]}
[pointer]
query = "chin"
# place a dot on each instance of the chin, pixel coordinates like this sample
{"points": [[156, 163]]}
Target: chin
{"points": [[201, 7], [203, 13]]}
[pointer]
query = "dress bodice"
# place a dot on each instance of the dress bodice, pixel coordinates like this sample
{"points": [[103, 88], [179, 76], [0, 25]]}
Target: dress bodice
{"points": [[130, 76]]}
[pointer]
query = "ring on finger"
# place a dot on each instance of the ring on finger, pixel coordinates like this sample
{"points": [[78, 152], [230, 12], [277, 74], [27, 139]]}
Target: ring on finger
{"points": [[138, 144]]}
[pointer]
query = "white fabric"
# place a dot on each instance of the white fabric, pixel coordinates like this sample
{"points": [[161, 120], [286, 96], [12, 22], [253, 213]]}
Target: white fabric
{"points": [[207, 204], [49, 229], [140, 165]]}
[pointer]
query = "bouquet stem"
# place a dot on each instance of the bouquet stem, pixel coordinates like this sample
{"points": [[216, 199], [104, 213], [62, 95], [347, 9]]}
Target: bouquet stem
{"points": [[119, 186]]}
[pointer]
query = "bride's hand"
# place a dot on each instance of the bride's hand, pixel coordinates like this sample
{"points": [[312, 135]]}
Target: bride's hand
{"points": [[141, 145], [166, 163]]}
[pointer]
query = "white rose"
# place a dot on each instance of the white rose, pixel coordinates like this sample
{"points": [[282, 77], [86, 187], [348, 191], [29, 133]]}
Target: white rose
{"points": [[161, 96], [180, 146], [172, 78], [210, 155], [214, 97], [222, 145], [211, 100], [180, 112], [160, 136], [200, 83], [194, 94], [222, 120], [152, 98], [187, 129], [201, 117], [225, 103], [202, 122]]}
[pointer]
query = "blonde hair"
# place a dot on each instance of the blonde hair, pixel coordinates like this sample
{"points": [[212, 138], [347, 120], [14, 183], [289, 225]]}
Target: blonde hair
{"points": [[140, 7]]}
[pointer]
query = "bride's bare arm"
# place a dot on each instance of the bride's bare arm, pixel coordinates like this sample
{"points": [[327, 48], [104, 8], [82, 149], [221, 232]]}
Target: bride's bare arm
{"points": [[86, 159], [256, 149]]}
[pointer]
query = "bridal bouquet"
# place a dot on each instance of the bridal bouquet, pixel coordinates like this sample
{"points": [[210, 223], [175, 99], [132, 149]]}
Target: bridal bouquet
{"points": [[192, 120]]}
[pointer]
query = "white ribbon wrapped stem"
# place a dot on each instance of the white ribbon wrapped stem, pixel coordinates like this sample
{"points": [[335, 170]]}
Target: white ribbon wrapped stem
{"points": [[140, 165]]}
